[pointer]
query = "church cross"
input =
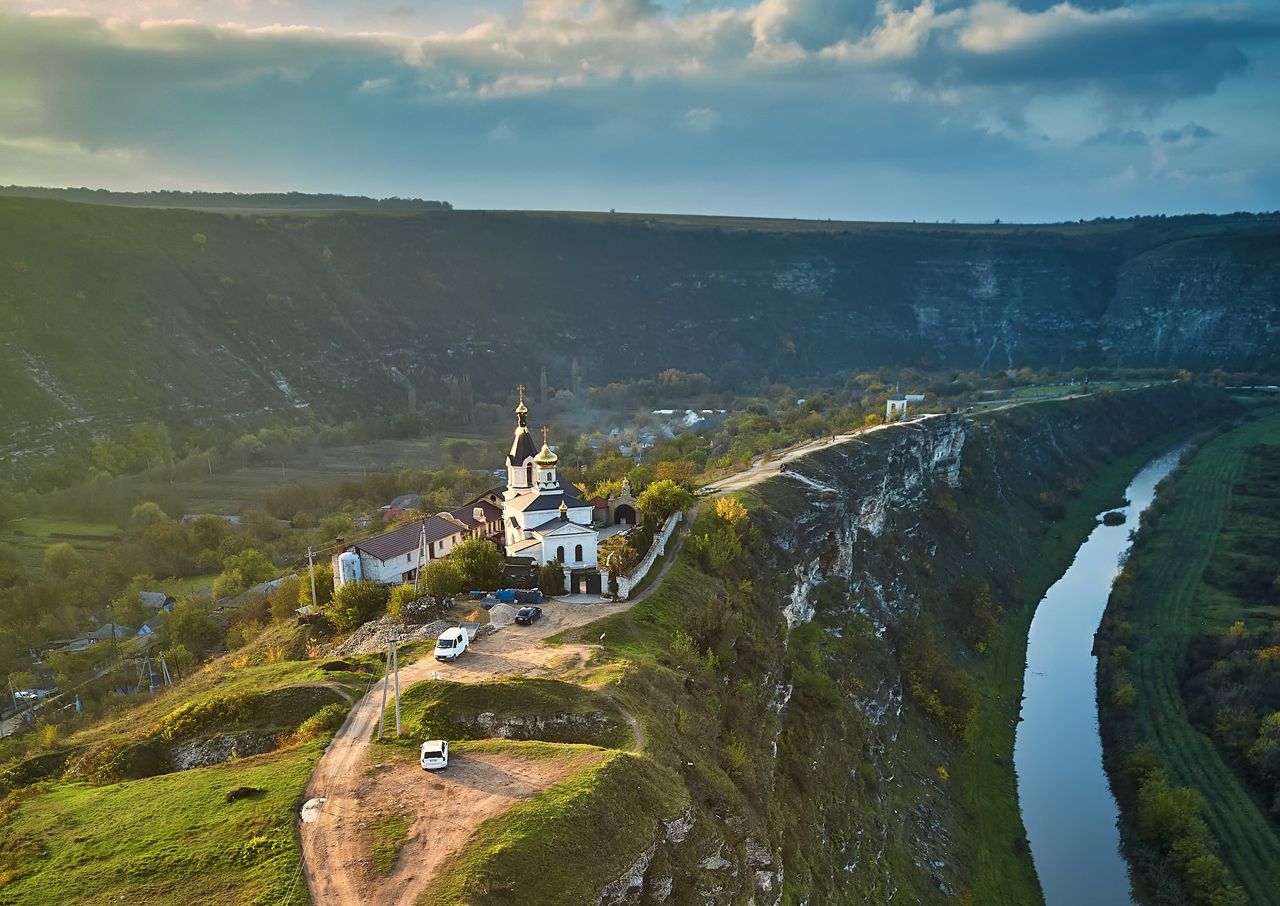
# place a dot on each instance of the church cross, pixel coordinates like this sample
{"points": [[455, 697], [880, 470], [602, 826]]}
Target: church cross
{"points": [[545, 432], [520, 389]]}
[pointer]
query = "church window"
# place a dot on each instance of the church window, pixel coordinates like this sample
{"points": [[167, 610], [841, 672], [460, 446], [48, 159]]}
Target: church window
{"points": [[528, 474], [577, 554], [559, 554]]}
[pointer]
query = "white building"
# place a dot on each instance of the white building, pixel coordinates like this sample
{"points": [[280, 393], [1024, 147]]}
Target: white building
{"points": [[395, 557], [540, 518]]}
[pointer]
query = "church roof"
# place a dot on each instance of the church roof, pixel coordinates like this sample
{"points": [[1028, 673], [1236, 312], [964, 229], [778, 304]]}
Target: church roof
{"points": [[557, 526], [522, 447], [535, 503]]}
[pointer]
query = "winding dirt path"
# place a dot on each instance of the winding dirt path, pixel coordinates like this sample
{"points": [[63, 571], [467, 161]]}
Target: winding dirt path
{"points": [[348, 792]]}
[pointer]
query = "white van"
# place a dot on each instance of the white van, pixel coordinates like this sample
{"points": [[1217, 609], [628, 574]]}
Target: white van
{"points": [[452, 642]]}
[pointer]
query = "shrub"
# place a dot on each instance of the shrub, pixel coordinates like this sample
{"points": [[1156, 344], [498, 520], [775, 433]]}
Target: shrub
{"points": [[357, 602]]}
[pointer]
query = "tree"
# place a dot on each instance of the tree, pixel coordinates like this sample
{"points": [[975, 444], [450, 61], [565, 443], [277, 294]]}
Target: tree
{"points": [[283, 599], [356, 603], [662, 498], [194, 628], [442, 579], [618, 555], [680, 471], [479, 562], [730, 510], [252, 564], [181, 661], [61, 560], [324, 587], [230, 582], [147, 514], [551, 578], [126, 607]]}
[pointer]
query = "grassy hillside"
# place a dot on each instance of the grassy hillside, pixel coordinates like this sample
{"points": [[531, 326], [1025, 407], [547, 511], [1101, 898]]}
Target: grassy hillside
{"points": [[103, 813], [112, 314], [1160, 604]]}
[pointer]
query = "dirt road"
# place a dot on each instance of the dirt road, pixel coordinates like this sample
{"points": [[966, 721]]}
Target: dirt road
{"points": [[347, 791], [767, 468]]}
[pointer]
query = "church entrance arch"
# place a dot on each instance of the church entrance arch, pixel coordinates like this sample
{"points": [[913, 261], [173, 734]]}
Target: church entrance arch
{"points": [[624, 515]]}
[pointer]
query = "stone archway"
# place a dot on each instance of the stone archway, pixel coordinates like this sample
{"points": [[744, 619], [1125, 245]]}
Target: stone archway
{"points": [[624, 514]]}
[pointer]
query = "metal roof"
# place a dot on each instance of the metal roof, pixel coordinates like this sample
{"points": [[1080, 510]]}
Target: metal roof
{"points": [[406, 538]]}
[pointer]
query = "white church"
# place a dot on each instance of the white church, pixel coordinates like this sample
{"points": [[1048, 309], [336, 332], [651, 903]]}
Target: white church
{"points": [[540, 518]]}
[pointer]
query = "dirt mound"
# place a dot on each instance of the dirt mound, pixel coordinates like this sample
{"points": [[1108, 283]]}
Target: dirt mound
{"points": [[375, 635], [502, 615]]}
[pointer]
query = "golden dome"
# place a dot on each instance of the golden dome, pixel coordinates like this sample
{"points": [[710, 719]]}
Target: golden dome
{"points": [[546, 457]]}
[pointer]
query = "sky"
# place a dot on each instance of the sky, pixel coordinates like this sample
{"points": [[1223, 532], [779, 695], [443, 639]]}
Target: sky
{"points": [[1023, 110]]}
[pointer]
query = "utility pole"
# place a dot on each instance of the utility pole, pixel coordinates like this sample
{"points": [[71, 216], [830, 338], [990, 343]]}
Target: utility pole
{"points": [[391, 678], [422, 557], [311, 567]]}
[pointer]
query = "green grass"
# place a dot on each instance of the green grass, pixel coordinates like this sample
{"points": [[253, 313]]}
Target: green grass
{"points": [[28, 537], [984, 780], [1167, 608], [566, 843], [389, 834], [180, 587], [557, 711], [164, 840]]}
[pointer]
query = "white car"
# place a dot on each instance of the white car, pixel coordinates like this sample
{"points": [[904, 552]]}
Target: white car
{"points": [[435, 754], [451, 644]]}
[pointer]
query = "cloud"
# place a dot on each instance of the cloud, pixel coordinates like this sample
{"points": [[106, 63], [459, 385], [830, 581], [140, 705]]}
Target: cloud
{"points": [[602, 93], [701, 119], [1118, 137], [1191, 132]]}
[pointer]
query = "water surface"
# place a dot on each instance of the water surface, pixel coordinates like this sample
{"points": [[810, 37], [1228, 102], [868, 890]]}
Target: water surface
{"points": [[1067, 806]]}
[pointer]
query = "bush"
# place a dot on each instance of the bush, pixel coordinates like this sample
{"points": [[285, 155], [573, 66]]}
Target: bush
{"points": [[479, 563], [357, 602]]}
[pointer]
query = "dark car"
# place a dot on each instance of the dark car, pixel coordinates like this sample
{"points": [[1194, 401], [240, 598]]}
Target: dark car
{"points": [[526, 615]]}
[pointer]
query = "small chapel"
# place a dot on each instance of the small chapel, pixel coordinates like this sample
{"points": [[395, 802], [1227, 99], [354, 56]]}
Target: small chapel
{"points": [[541, 518]]}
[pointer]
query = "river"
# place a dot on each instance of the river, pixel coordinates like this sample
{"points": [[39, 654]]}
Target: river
{"points": [[1067, 806]]}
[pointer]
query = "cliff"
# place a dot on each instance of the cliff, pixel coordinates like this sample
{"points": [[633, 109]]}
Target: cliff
{"points": [[836, 678], [112, 314]]}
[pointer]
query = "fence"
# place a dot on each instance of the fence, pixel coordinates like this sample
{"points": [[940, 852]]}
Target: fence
{"points": [[656, 550]]}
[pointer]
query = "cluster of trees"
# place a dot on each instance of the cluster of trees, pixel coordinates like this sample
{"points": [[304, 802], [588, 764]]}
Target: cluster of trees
{"points": [[1231, 684], [1171, 821]]}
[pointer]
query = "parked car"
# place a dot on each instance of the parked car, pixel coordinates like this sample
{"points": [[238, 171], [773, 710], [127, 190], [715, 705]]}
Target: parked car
{"points": [[704, 491], [452, 643], [526, 616], [435, 754]]}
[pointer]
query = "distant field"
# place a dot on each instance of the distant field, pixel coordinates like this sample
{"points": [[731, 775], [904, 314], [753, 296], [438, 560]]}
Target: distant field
{"points": [[227, 489], [1169, 606], [30, 536]]}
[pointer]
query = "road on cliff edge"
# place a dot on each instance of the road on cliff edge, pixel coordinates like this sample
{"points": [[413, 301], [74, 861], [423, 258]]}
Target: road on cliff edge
{"points": [[348, 792], [763, 468]]}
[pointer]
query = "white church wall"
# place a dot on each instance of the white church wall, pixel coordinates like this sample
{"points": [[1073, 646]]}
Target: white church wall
{"points": [[656, 550]]}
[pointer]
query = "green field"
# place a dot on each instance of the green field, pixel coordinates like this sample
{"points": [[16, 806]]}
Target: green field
{"points": [[1169, 607], [30, 536]]}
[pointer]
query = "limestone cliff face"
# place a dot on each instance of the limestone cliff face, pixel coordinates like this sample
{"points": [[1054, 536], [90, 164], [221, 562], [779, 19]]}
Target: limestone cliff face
{"points": [[118, 314], [867, 542]]}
